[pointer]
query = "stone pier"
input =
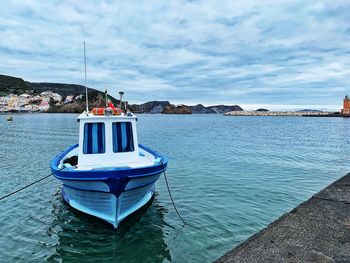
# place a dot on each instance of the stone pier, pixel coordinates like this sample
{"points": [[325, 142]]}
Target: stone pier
{"points": [[317, 230]]}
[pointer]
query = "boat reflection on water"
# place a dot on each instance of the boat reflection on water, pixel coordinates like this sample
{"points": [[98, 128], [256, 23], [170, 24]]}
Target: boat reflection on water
{"points": [[81, 237]]}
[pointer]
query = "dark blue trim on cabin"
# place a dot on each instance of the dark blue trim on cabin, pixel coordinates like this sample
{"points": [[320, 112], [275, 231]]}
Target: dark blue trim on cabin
{"points": [[115, 178], [89, 138], [100, 138], [119, 137], [114, 134]]}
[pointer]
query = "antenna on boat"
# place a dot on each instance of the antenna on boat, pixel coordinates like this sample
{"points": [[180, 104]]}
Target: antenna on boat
{"points": [[106, 95], [86, 89], [121, 98]]}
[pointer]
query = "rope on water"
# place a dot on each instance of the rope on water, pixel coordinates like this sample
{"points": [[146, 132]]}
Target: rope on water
{"points": [[24, 187], [172, 200], [177, 212]]}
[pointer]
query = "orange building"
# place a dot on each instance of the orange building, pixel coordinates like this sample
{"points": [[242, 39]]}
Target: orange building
{"points": [[346, 106]]}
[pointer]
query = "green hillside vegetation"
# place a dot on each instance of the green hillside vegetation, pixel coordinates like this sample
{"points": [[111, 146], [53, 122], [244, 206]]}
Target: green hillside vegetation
{"points": [[12, 85], [62, 89]]}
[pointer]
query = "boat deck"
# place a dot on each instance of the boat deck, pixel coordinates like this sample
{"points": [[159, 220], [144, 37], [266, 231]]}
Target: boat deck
{"points": [[145, 159]]}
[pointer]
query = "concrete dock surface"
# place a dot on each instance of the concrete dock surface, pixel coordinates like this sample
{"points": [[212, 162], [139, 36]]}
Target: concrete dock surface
{"points": [[317, 230]]}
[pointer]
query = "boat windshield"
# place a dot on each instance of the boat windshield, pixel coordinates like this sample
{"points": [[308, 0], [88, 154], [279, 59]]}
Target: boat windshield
{"points": [[123, 140], [94, 138]]}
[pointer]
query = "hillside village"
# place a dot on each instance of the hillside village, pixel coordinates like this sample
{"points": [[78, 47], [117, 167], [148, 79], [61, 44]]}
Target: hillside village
{"points": [[29, 102]]}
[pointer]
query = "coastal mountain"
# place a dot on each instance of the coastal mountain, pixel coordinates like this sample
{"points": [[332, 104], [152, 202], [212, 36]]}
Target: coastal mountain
{"points": [[218, 109], [166, 107], [181, 109], [149, 107], [73, 98], [200, 109]]}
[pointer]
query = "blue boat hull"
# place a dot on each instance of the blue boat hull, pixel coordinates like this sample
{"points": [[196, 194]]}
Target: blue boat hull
{"points": [[111, 194]]}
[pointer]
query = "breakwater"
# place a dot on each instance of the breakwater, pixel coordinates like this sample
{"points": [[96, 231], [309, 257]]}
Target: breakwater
{"points": [[317, 230], [284, 113]]}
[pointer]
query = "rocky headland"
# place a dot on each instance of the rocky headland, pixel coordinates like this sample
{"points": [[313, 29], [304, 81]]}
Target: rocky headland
{"points": [[181, 109]]}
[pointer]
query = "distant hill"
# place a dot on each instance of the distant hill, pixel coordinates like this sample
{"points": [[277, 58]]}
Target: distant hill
{"points": [[62, 89], [13, 85], [220, 109], [166, 107], [309, 110], [149, 107], [182, 109], [200, 109]]}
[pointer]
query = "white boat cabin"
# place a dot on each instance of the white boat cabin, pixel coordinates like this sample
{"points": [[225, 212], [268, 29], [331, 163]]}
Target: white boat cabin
{"points": [[107, 141]]}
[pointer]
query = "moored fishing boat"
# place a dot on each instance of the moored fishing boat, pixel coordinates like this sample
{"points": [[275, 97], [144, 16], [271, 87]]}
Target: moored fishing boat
{"points": [[108, 174]]}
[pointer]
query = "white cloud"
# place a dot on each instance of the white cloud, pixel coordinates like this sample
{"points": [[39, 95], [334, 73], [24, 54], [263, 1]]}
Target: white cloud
{"points": [[249, 52]]}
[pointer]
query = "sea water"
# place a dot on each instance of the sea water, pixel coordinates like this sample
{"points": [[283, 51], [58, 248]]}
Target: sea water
{"points": [[229, 176]]}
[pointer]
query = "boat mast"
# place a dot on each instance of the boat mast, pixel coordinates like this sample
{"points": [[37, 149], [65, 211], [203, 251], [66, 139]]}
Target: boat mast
{"points": [[121, 98], [86, 90], [106, 95]]}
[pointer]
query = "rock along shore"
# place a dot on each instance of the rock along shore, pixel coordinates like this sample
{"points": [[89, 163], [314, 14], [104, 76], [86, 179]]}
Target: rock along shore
{"points": [[284, 113], [317, 230]]}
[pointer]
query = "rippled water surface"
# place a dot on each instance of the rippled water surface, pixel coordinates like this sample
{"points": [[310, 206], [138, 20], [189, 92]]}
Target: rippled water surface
{"points": [[230, 177]]}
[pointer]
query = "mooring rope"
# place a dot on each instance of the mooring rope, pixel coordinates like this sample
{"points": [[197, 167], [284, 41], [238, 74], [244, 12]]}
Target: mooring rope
{"points": [[170, 195], [172, 200], [177, 212], [24, 187]]}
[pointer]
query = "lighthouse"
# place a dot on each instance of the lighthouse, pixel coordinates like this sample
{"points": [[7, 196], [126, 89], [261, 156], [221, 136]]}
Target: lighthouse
{"points": [[346, 106]]}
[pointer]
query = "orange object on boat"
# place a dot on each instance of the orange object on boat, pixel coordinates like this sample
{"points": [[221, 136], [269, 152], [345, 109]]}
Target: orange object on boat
{"points": [[98, 111], [117, 111], [102, 111]]}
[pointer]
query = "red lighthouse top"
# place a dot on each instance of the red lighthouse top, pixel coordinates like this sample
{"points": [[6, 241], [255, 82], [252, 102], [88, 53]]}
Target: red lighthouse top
{"points": [[346, 106]]}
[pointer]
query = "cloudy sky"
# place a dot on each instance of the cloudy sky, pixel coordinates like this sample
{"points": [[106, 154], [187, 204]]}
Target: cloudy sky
{"points": [[277, 54]]}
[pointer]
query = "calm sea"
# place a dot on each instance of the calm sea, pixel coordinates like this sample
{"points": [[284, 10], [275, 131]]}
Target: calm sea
{"points": [[230, 177]]}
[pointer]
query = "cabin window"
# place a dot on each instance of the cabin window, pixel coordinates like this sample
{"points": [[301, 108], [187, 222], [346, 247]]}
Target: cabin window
{"points": [[94, 138], [123, 140]]}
